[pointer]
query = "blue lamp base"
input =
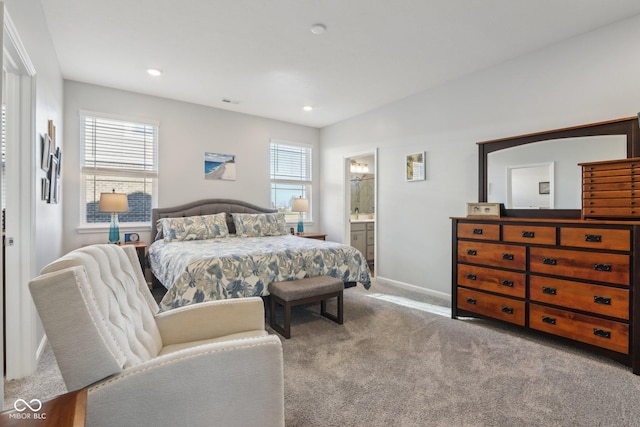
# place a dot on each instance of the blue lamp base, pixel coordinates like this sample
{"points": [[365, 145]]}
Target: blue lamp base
{"points": [[300, 225], [114, 229]]}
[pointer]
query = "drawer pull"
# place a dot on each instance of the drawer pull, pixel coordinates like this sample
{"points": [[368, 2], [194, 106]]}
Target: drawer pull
{"points": [[548, 320], [508, 283], [508, 310], [601, 333], [528, 234], [508, 257], [602, 300], [595, 238], [472, 252], [602, 267], [549, 261], [471, 276], [471, 300], [548, 291], [477, 231]]}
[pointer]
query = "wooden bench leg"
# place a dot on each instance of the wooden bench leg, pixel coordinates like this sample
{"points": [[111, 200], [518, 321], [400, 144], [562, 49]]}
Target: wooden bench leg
{"points": [[323, 310], [274, 302], [287, 319]]}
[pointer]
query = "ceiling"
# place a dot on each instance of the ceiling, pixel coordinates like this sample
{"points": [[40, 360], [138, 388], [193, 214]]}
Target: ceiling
{"points": [[262, 56]]}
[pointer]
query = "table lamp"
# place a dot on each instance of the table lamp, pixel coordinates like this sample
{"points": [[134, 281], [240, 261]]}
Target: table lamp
{"points": [[300, 205], [113, 203]]}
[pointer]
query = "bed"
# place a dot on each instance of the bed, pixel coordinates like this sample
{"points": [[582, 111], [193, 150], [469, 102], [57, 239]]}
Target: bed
{"points": [[239, 264]]}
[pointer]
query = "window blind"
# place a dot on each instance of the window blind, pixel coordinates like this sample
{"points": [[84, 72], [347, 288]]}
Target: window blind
{"points": [[291, 177], [115, 147], [290, 162], [118, 155]]}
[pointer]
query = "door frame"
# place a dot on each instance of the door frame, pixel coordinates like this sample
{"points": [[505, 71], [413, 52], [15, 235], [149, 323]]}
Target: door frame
{"points": [[21, 320], [346, 202]]}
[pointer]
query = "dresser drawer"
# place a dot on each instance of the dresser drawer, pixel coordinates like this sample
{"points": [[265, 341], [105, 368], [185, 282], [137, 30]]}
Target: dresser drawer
{"points": [[627, 177], [601, 267], [614, 186], [589, 195], [493, 254], [611, 212], [479, 231], [502, 308], [619, 240], [611, 203], [607, 173], [587, 329], [489, 279], [529, 234], [611, 166], [605, 300]]}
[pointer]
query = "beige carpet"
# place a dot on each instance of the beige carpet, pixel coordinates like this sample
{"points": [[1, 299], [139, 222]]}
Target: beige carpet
{"points": [[394, 364]]}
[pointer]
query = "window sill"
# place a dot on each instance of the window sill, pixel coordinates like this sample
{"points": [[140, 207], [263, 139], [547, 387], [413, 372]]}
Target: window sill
{"points": [[104, 227]]}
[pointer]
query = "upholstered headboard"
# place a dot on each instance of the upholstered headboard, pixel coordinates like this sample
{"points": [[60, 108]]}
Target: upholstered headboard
{"points": [[207, 207]]}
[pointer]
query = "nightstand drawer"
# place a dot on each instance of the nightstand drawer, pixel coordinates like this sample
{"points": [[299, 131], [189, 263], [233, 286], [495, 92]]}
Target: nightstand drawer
{"points": [[591, 330], [507, 309]]}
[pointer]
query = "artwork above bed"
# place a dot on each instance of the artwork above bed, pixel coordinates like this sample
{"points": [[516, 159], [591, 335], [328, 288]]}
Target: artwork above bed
{"points": [[197, 259]]}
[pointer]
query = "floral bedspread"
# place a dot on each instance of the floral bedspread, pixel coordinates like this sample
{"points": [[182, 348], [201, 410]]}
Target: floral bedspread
{"points": [[236, 267]]}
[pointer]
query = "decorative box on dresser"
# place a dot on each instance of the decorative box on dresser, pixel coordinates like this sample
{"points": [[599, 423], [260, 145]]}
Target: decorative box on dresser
{"points": [[572, 278]]}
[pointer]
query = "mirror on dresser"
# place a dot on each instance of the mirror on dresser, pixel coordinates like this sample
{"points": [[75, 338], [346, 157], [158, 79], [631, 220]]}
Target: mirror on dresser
{"points": [[537, 175]]}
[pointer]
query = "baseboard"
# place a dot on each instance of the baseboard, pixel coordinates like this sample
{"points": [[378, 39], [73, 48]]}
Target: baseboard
{"points": [[414, 288], [41, 347]]}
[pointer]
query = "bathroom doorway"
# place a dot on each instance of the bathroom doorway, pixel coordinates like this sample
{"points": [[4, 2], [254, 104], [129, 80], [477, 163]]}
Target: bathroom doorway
{"points": [[360, 204]]}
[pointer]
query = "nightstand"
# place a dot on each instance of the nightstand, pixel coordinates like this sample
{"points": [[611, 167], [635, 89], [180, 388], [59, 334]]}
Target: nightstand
{"points": [[141, 249], [317, 236]]}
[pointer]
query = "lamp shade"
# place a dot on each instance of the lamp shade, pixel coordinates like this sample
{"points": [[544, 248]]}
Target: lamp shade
{"points": [[113, 202], [300, 205]]}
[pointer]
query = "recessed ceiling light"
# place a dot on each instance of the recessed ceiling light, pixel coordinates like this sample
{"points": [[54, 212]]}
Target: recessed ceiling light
{"points": [[307, 108], [154, 72], [318, 29]]}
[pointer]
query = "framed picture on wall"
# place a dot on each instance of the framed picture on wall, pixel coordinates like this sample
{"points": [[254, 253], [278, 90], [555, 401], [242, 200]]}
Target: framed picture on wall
{"points": [[544, 187], [414, 167], [46, 152]]}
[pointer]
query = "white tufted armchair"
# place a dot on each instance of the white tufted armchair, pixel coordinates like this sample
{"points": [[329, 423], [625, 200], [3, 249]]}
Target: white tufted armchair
{"points": [[208, 364]]}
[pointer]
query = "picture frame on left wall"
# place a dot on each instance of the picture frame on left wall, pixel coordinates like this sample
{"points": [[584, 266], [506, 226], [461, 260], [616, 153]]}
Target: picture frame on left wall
{"points": [[54, 181], [46, 153]]}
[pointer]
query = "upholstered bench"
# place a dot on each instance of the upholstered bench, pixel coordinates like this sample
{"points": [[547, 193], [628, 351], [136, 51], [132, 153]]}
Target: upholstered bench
{"points": [[303, 291]]}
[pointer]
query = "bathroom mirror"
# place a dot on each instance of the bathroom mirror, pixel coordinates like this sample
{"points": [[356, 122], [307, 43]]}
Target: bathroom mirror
{"points": [[537, 175]]}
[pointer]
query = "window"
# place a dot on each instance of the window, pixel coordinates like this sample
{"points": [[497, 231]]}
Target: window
{"points": [[290, 177], [118, 155]]}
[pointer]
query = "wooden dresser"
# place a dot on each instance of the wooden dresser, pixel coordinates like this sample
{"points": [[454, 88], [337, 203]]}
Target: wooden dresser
{"points": [[575, 279]]}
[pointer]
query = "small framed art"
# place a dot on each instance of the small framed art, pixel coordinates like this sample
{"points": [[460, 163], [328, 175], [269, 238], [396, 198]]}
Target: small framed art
{"points": [[414, 168], [544, 187], [46, 152], [483, 209]]}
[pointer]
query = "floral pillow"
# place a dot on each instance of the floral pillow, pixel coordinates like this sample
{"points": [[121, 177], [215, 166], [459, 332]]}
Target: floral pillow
{"points": [[195, 227], [260, 225]]}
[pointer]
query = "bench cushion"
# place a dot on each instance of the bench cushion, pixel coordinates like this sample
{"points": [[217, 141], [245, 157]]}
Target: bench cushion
{"points": [[292, 290]]}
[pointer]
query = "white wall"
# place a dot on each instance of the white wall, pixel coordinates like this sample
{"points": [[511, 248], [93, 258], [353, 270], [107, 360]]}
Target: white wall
{"points": [[28, 18], [591, 78], [186, 132]]}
